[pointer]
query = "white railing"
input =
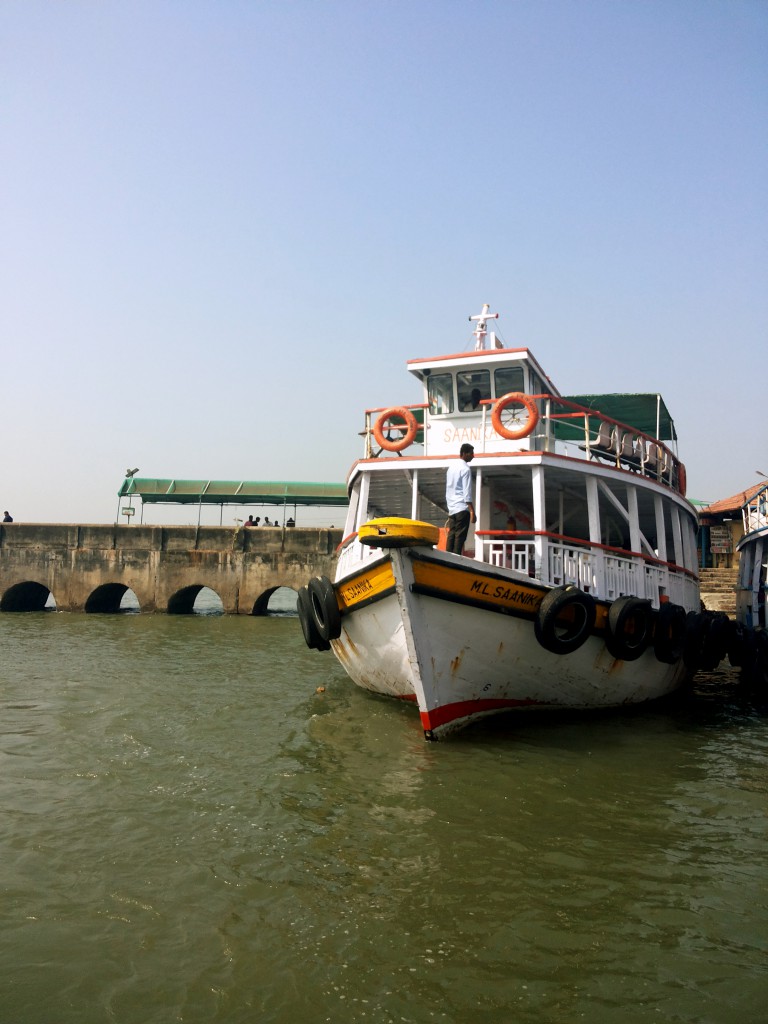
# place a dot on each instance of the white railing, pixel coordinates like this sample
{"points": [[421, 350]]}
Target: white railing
{"points": [[569, 564], [517, 555], [354, 554], [622, 576], [600, 572], [755, 511]]}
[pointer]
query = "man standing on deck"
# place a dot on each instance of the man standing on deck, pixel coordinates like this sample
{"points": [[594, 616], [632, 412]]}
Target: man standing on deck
{"points": [[458, 498]]}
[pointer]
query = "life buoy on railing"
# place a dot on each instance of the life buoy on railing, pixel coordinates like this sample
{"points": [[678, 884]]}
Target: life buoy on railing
{"points": [[565, 619], [384, 423], [325, 610], [629, 627], [312, 637], [669, 633], [682, 479], [515, 398]]}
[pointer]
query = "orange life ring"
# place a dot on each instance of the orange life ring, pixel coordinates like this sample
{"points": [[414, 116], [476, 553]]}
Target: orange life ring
{"points": [[411, 426], [682, 479], [515, 398]]}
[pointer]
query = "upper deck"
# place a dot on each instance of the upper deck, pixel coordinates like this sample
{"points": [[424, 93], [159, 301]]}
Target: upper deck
{"points": [[501, 401]]}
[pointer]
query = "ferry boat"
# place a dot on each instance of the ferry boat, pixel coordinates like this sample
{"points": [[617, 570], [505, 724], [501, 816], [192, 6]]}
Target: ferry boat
{"points": [[753, 561], [749, 641], [578, 581]]}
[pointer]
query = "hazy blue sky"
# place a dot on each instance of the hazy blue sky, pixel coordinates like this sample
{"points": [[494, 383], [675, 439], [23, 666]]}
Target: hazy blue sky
{"points": [[225, 226]]}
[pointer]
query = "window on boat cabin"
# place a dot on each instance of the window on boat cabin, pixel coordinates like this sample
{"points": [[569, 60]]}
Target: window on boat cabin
{"points": [[473, 386], [351, 523], [440, 393], [508, 378], [538, 387]]}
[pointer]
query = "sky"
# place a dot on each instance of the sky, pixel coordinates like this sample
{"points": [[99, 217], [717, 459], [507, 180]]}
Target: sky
{"points": [[226, 225]]}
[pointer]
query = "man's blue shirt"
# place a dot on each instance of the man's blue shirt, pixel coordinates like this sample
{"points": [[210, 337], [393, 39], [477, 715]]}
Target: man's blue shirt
{"points": [[458, 487]]}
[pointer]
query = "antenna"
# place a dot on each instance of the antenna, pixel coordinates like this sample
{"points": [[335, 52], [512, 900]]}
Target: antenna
{"points": [[480, 332]]}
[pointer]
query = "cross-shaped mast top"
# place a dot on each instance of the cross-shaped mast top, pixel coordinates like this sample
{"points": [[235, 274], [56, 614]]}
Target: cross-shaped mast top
{"points": [[480, 332]]}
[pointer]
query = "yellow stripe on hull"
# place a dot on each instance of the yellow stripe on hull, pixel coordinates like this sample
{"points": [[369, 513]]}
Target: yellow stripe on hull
{"points": [[484, 588], [364, 586]]}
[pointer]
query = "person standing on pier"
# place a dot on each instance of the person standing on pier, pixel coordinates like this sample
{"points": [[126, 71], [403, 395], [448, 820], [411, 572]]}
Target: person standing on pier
{"points": [[7, 517]]}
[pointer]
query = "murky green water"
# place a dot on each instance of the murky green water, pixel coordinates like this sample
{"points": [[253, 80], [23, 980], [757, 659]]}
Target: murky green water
{"points": [[190, 832]]}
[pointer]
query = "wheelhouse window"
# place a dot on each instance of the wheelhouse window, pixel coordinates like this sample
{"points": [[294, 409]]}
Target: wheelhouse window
{"points": [[473, 386], [440, 392], [538, 386], [508, 378]]}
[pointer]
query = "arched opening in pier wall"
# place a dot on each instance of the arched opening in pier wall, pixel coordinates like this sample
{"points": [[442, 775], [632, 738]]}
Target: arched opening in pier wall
{"points": [[26, 597], [195, 600], [275, 601], [111, 598]]}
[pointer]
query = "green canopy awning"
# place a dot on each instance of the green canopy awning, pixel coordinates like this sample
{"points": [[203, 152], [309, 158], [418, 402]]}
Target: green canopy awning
{"points": [[646, 413], [233, 492]]}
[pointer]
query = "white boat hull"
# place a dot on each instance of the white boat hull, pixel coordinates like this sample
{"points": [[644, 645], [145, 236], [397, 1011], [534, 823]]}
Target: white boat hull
{"points": [[458, 638]]}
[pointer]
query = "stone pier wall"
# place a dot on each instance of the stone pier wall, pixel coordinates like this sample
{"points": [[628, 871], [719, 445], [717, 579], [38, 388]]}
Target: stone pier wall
{"points": [[86, 567]]}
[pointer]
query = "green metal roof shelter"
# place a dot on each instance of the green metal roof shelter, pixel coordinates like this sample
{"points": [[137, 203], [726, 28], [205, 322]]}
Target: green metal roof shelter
{"points": [[647, 413], [232, 492]]}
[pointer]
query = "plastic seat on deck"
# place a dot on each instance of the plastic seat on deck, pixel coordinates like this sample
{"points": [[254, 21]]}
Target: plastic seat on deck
{"points": [[606, 444], [627, 449], [602, 442], [651, 460], [663, 466]]}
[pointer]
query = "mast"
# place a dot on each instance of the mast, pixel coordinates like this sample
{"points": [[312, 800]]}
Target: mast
{"points": [[480, 332]]}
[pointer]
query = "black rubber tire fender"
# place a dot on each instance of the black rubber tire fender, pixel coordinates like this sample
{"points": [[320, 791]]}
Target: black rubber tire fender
{"points": [[736, 644], [669, 633], [754, 671], [695, 629], [629, 627], [715, 642], [312, 638], [559, 633], [325, 610], [748, 657], [760, 670]]}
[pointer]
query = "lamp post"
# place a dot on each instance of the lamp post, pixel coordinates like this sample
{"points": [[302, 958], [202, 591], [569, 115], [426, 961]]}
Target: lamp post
{"points": [[127, 512]]}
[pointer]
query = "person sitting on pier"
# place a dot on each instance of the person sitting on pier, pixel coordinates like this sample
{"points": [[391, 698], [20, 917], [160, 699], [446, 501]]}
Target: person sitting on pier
{"points": [[7, 517]]}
